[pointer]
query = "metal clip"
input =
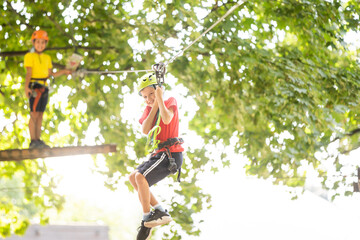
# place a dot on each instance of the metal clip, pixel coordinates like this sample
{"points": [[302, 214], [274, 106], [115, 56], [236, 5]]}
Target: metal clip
{"points": [[160, 70], [172, 166]]}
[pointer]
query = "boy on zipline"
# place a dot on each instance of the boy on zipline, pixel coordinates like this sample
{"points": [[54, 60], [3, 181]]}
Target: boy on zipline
{"points": [[167, 158], [38, 69]]}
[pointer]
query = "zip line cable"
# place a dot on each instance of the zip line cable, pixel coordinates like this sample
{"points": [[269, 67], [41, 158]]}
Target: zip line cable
{"points": [[82, 72], [207, 30]]}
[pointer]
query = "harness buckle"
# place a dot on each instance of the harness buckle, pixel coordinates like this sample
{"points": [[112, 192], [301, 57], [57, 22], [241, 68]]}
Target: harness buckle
{"points": [[172, 166]]}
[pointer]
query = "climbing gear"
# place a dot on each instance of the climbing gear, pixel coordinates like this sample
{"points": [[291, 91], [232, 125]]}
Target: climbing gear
{"points": [[173, 168], [152, 142], [82, 72], [41, 84], [39, 34], [170, 142], [153, 79], [40, 81], [147, 80], [37, 92], [160, 70], [172, 165]]}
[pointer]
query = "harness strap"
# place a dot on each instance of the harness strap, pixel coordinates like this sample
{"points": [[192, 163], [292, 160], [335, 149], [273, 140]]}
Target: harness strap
{"points": [[170, 142], [39, 92], [172, 164], [41, 81]]}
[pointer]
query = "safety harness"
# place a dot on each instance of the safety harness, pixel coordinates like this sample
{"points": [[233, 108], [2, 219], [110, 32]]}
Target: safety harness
{"points": [[37, 92], [173, 168], [40, 81]]}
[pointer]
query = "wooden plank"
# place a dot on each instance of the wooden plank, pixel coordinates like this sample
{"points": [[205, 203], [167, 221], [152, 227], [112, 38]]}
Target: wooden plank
{"points": [[22, 154]]}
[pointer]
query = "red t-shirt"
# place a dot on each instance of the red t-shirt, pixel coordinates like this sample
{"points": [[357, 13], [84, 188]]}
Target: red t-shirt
{"points": [[167, 131]]}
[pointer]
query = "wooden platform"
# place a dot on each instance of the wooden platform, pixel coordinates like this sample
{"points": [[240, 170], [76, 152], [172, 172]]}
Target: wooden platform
{"points": [[23, 154]]}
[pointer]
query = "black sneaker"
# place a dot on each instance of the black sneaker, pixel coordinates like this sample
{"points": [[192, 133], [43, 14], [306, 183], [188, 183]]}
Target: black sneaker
{"points": [[157, 218], [41, 144], [144, 233], [33, 144]]}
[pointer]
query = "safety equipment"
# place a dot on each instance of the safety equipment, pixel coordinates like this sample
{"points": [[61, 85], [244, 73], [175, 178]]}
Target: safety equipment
{"points": [[147, 80], [160, 70], [172, 167], [39, 34], [152, 142]]}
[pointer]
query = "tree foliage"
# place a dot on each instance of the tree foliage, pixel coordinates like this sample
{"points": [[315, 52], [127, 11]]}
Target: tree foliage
{"points": [[275, 80]]}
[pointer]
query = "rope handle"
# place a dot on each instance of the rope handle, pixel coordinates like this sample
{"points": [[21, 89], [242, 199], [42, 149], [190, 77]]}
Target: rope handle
{"points": [[151, 142]]}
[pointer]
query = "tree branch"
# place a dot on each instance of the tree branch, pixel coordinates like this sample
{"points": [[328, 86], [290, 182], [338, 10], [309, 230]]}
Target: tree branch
{"points": [[216, 7], [21, 53], [62, 30], [352, 133], [22, 17]]}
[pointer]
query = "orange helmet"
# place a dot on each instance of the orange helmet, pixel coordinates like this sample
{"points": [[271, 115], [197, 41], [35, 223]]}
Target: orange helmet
{"points": [[40, 34]]}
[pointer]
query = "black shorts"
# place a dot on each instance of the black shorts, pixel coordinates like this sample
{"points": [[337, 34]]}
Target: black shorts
{"points": [[38, 103], [156, 167]]}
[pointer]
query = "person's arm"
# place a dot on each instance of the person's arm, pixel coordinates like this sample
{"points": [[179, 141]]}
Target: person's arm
{"points": [[165, 113], [59, 73], [148, 122], [27, 81]]}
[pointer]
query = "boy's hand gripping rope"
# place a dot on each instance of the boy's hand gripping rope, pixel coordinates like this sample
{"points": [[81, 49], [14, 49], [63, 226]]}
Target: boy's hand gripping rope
{"points": [[152, 143]]}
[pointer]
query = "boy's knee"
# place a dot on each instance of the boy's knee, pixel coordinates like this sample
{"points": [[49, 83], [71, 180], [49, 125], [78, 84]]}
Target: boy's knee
{"points": [[132, 177], [139, 177]]}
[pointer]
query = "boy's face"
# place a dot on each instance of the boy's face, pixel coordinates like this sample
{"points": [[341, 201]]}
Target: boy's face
{"points": [[39, 45], [148, 94]]}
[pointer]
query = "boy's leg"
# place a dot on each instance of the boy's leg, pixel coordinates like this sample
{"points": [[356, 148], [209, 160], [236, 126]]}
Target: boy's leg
{"points": [[143, 232], [32, 124], [38, 105], [153, 201], [149, 173], [143, 191], [38, 123]]}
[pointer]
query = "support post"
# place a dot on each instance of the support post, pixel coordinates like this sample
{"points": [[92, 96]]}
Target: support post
{"points": [[357, 184]]}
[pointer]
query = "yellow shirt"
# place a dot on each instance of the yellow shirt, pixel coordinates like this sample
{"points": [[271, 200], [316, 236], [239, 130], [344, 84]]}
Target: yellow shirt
{"points": [[40, 64]]}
